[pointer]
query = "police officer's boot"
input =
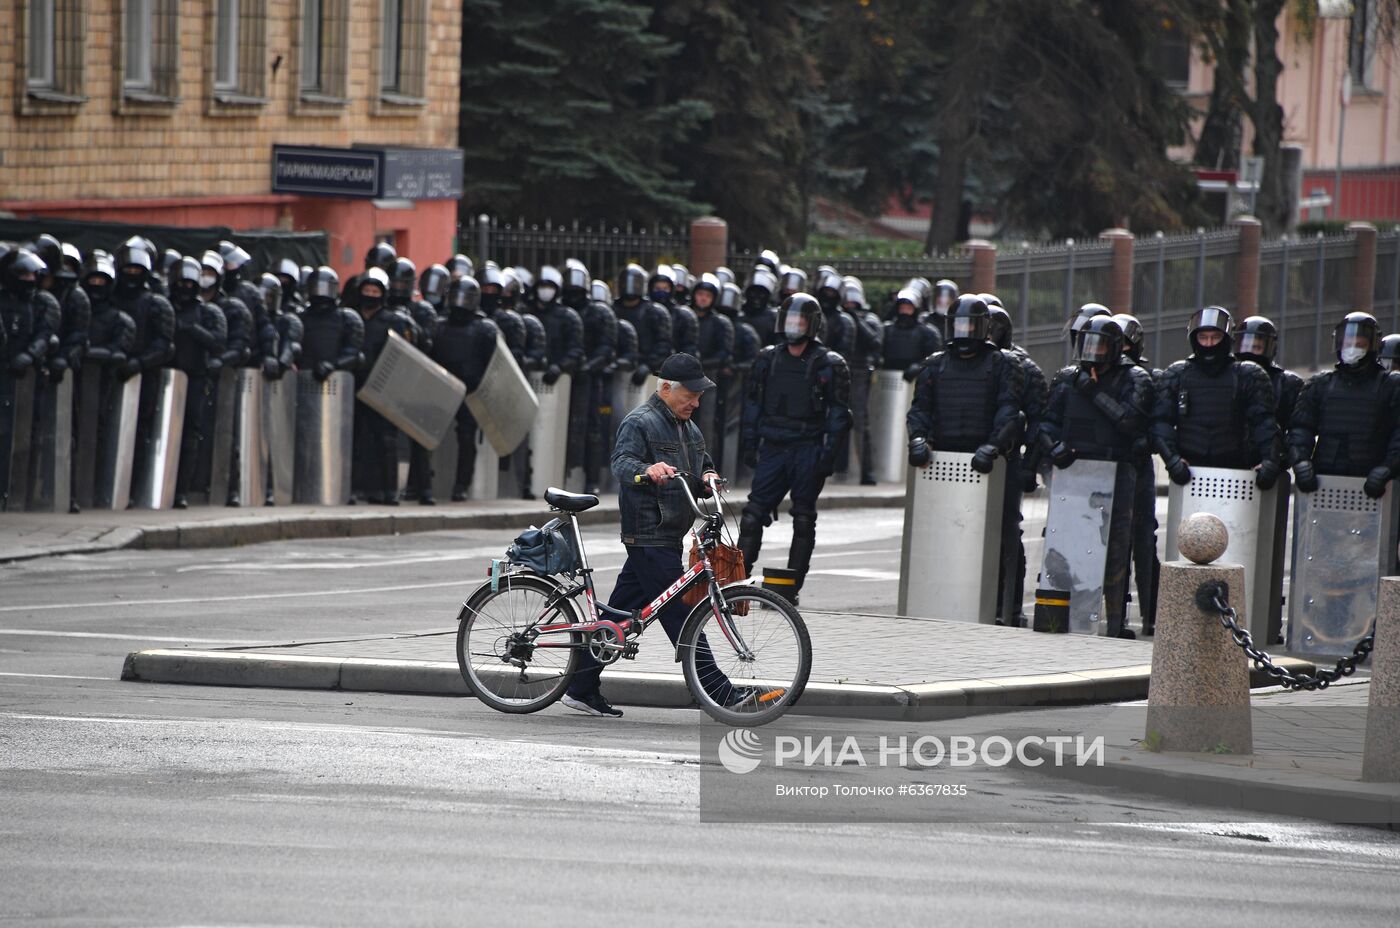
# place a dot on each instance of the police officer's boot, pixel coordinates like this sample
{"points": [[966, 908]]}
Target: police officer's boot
{"points": [[750, 538], [804, 541]]}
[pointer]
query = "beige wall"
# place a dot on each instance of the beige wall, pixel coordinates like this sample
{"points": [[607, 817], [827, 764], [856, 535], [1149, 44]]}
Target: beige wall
{"points": [[198, 149]]}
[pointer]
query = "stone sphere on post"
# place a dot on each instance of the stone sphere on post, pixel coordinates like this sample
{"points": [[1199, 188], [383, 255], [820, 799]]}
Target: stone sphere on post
{"points": [[1202, 538]]}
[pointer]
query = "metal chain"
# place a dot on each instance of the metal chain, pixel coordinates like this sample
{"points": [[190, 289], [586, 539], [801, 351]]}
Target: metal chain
{"points": [[1217, 595]]}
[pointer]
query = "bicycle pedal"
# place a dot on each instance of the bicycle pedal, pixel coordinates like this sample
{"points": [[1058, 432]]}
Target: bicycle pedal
{"points": [[629, 651]]}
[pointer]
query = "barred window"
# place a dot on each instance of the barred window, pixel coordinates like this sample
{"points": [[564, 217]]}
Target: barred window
{"points": [[403, 51], [52, 52], [1361, 45], [323, 37], [150, 50], [239, 52]]}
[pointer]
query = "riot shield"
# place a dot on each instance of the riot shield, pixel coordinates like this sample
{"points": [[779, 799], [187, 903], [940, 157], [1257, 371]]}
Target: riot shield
{"points": [[16, 434], [889, 408], [628, 396], [549, 434], [952, 539], [1249, 514], [51, 459], [1089, 520], [115, 460], [503, 404], [1343, 543], [279, 422], [324, 438], [485, 476], [219, 465], [247, 466], [153, 484], [413, 392], [89, 386], [732, 464]]}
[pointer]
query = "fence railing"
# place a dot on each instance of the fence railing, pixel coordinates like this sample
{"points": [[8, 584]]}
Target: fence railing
{"points": [[605, 248]]}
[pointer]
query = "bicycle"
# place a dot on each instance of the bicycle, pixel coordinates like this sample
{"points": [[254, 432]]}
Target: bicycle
{"points": [[520, 633]]}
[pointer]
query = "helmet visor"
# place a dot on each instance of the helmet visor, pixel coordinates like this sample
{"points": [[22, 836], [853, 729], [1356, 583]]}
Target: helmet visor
{"points": [[796, 324], [967, 327], [1355, 341], [1258, 344], [1093, 348]]}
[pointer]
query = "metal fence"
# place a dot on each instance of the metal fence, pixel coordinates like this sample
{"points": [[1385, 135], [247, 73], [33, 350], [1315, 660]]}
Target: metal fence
{"points": [[605, 248], [881, 276], [1305, 287]]}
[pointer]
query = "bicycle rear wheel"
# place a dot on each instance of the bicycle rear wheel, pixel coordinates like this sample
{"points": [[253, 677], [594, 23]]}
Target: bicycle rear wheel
{"points": [[755, 686], [499, 657]]}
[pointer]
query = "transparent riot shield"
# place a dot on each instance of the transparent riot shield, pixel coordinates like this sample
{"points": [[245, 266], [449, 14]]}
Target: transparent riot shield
{"points": [[51, 459], [503, 404], [1089, 517], [324, 438], [890, 400], [1249, 514], [88, 386], [952, 539], [627, 396], [1343, 543], [279, 423], [414, 392], [732, 465], [16, 433], [225, 432], [153, 484], [549, 435], [115, 459], [247, 467]]}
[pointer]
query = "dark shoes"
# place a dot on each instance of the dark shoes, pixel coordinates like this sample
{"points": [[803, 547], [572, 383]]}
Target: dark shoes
{"points": [[593, 704], [459, 495], [741, 697]]}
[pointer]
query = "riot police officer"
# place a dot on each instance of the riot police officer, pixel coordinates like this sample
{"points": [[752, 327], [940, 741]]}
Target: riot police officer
{"points": [[908, 343], [1099, 410], [61, 282], [460, 265], [154, 318], [1390, 352], [289, 276], [759, 312], [589, 401], [1256, 340], [332, 337], [1347, 420], [286, 326], [199, 344], [508, 321], [796, 413], [1080, 320], [403, 284], [664, 287], [562, 327], [376, 459], [111, 336], [381, 255], [30, 318], [716, 357], [864, 359], [1214, 410], [939, 299], [1146, 566], [240, 336], [465, 344], [432, 284], [651, 322]]}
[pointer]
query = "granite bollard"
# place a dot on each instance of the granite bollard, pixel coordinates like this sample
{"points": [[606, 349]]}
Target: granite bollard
{"points": [[1380, 762]]}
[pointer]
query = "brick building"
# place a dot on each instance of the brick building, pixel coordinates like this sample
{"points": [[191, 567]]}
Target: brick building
{"points": [[168, 111]]}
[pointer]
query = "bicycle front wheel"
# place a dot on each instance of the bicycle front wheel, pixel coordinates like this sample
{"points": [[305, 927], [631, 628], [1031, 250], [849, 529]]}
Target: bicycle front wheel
{"points": [[754, 676], [504, 662]]}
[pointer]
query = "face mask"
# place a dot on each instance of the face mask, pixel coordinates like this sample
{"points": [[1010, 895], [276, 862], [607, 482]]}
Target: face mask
{"points": [[24, 288], [546, 293], [904, 320], [1353, 355], [208, 280], [660, 296], [489, 301], [371, 302]]}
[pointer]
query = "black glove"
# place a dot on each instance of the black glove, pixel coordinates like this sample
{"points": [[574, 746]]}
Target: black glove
{"points": [[1267, 474], [1179, 471], [552, 374], [826, 464], [1062, 455], [272, 368], [750, 458], [919, 453], [640, 375], [323, 370], [214, 365], [117, 358], [1376, 481], [912, 371], [1305, 476], [21, 363], [1028, 481], [984, 458], [130, 368], [1084, 381], [57, 371]]}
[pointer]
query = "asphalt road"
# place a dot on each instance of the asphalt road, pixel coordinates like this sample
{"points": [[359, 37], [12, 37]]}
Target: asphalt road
{"points": [[138, 804]]}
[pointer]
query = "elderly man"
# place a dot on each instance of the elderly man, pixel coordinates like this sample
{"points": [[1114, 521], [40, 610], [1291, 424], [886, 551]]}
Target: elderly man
{"points": [[657, 439]]}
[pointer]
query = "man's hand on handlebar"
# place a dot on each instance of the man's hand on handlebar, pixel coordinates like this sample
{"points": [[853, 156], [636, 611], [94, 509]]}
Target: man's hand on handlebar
{"points": [[660, 472]]}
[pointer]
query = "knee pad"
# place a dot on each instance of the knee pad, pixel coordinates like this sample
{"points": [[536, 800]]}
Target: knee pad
{"points": [[752, 522], [804, 524]]}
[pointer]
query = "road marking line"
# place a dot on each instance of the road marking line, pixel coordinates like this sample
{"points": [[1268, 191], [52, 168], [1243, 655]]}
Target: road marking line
{"points": [[189, 600], [52, 676], [36, 633]]}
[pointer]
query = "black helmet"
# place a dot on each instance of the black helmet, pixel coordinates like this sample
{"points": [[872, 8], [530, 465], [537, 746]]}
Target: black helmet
{"points": [[1212, 317], [549, 278], [1390, 352], [800, 318], [374, 277], [911, 296], [403, 278], [290, 272], [632, 282], [433, 283], [322, 284], [998, 326], [129, 255], [1357, 340], [491, 276], [924, 289], [730, 299], [1132, 334], [22, 270], [100, 264], [685, 281], [1257, 339], [853, 291], [710, 284], [600, 292], [168, 259], [829, 288], [664, 273], [380, 255], [793, 280], [271, 289], [1086, 312], [765, 280], [461, 265], [991, 299], [725, 275], [968, 321], [943, 295], [50, 251], [234, 257], [1099, 344], [769, 258], [183, 278], [576, 276], [71, 261], [463, 294]]}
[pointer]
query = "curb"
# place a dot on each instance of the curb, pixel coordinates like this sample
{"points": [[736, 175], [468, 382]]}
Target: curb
{"points": [[919, 701], [1360, 803]]}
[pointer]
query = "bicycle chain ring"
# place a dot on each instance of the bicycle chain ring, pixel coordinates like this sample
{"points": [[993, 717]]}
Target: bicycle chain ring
{"points": [[605, 646]]}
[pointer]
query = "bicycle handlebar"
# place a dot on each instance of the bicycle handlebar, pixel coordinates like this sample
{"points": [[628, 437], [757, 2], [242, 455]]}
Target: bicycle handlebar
{"points": [[715, 483]]}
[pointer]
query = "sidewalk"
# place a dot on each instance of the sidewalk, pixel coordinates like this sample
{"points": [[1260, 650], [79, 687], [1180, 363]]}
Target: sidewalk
{"points": [[26, 535]]}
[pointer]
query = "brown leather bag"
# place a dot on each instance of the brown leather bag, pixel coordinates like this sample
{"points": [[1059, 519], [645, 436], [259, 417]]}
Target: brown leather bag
{"points": [[727, 562]]}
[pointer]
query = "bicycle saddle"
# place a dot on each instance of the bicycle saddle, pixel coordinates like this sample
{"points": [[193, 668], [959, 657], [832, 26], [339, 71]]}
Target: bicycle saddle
{"points": [[569, 502]]}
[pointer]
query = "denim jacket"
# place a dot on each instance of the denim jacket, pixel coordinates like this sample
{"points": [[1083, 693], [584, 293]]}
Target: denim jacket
{"points": [[654, 516]]}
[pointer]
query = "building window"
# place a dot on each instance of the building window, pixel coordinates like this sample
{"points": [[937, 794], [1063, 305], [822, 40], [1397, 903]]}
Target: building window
{"points": [[403, 46], [1361, 47], [39, 67], [52, 54], [322, 61], [1174, 55], [239, 43], [150, 50]]}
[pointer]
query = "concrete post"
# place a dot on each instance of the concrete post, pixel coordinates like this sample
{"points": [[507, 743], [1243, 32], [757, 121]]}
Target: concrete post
{"points": [[1363, 270], [709, 244], [984, 265], [1380, 763], [1120, 280], [1198, 696], [1247, 266]]}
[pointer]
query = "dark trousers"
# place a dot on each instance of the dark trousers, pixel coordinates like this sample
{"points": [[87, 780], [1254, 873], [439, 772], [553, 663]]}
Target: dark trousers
{"points": [[596, 450], [375, 464], [1011, 587], [784, 469], [1146, 566], [860, 424], [647, 573], [466, 450], [420, 471], [197, 438]]}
